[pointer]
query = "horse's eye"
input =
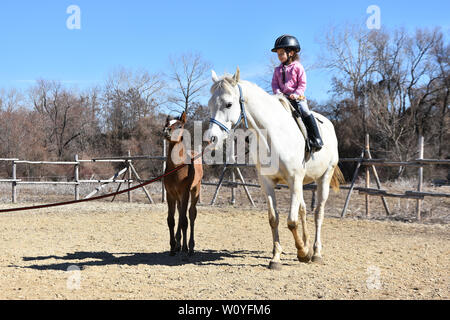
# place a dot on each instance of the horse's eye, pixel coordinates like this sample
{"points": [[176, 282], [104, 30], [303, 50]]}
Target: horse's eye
{"points": [[229, 104]]}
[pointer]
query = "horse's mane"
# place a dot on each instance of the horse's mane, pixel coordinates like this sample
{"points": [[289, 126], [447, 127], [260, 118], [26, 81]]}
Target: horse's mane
{"points": [[227, 82]]}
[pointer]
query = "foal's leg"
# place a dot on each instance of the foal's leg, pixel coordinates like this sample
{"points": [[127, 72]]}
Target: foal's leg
{"points": [[183, 220], [195, 193], [323, 189], [268, 187], [178, 234], [171, 223], [298, 205]]}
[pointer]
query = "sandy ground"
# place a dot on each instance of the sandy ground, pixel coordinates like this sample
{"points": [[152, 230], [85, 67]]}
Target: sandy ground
{"points": [[118, 250]]}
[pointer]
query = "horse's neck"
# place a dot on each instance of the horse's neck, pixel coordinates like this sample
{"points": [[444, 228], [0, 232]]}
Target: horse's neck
{"points": [[253, 106], [266, 113], [180, 154], [262, 108]]}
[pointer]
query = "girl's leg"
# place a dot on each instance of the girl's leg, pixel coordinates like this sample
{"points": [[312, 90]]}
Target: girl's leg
{"points": [[304, 109], [311, 125]]}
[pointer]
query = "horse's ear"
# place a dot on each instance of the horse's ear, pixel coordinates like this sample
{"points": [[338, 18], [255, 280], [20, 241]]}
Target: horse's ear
{"points": [[183, 117], [237, 75], [214, 76], [168, 118]]}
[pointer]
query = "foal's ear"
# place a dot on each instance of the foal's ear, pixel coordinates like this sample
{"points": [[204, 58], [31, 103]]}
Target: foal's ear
{"points": [[183, 117], [237, 76], [214, 76]]}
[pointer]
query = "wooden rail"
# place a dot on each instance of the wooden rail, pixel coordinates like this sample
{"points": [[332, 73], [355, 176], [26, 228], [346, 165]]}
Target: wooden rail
{"points": [[76, 178], [364, 160]]}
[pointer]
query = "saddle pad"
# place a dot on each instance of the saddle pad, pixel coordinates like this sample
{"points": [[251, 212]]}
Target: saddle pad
{"points": [[289, 108]]}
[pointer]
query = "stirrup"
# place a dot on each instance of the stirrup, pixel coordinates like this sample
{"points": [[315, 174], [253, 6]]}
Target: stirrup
{"points": [[315, 146]]}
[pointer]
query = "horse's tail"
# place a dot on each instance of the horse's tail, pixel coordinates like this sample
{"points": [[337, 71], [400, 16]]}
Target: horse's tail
{"points": [[337, 179]]}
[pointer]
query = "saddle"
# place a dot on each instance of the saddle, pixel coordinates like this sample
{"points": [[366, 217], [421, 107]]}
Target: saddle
{"points": [[298, 119]]}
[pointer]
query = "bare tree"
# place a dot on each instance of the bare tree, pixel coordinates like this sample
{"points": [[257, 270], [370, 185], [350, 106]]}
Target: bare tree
{"points": [[348, 54], [10, 103], [62, 112], [10, 99], [189, 74], [128, 97], [441, 56], [396, 80]]}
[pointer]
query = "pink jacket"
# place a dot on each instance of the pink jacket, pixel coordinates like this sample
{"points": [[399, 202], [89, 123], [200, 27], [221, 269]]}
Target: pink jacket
{"points": [[295, 79]]}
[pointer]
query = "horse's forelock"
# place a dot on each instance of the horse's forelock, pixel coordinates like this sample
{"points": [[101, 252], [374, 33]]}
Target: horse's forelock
{"points": [[227, 83]]}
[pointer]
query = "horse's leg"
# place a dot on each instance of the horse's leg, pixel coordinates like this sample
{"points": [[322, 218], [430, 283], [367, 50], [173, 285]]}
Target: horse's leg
{"points": [[195, 192], [298, 205], [178, 234], [183, 220], [323, 189], [302, 212], [171, 223], [268, 187]]}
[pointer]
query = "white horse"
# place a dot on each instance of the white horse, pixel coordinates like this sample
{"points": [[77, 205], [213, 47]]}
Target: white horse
{"points": [[268, 112]]}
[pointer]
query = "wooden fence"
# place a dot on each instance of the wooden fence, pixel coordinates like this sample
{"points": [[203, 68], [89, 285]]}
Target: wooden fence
{"points": [[126, 176]]}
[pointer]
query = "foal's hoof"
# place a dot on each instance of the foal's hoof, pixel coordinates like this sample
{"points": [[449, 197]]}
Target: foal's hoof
{"points": [[317, 259], [274, 265]]}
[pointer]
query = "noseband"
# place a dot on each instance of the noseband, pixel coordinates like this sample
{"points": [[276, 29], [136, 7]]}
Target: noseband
{"points": [[241, 116]]}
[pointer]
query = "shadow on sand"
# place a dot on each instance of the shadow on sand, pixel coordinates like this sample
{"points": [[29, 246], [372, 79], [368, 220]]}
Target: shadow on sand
{"points": [[103, 258]]}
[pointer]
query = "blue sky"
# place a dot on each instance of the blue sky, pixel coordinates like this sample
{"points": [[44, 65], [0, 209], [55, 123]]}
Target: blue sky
{"points": [[35, 42]]}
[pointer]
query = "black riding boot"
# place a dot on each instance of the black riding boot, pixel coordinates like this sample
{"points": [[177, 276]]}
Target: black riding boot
{"points": [[313, 132]]}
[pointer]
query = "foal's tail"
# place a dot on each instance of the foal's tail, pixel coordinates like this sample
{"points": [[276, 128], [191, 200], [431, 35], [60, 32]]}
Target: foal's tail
{"points": [[337, 179]]}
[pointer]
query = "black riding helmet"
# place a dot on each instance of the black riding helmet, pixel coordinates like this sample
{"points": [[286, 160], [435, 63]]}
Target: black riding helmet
{"points": [[287, 42]]}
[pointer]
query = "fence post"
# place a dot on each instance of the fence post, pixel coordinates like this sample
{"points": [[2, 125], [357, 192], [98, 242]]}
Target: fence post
{"points": [[366, 156], [163, 189], [233, 177], [77, 178], [130, 198], [14, 183], [355, 175], [419, 186]]}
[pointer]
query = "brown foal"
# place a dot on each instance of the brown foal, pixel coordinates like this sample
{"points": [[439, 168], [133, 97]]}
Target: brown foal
{"points": [[181, 185]]}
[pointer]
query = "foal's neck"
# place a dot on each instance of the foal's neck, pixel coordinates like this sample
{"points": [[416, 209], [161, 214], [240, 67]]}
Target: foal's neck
{"points": [[180, 153]]}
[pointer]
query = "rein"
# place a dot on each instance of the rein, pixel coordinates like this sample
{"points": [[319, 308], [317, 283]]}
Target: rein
{"points": [[105, 195]]}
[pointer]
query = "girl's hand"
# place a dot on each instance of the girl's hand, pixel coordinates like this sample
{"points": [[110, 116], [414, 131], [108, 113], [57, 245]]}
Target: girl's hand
{"points": [[293, 97]]}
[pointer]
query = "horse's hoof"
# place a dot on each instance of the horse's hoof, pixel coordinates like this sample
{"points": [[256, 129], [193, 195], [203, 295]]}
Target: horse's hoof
{"points": [[317, 259], [307, 258], [172, 253], [275, 265], [191, 253]]}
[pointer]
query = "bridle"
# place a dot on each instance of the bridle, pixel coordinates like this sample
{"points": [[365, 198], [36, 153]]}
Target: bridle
{"points": [[242, 115]]}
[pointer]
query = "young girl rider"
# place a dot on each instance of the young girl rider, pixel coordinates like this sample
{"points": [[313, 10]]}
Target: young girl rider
{"points": [[289, 78]]}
